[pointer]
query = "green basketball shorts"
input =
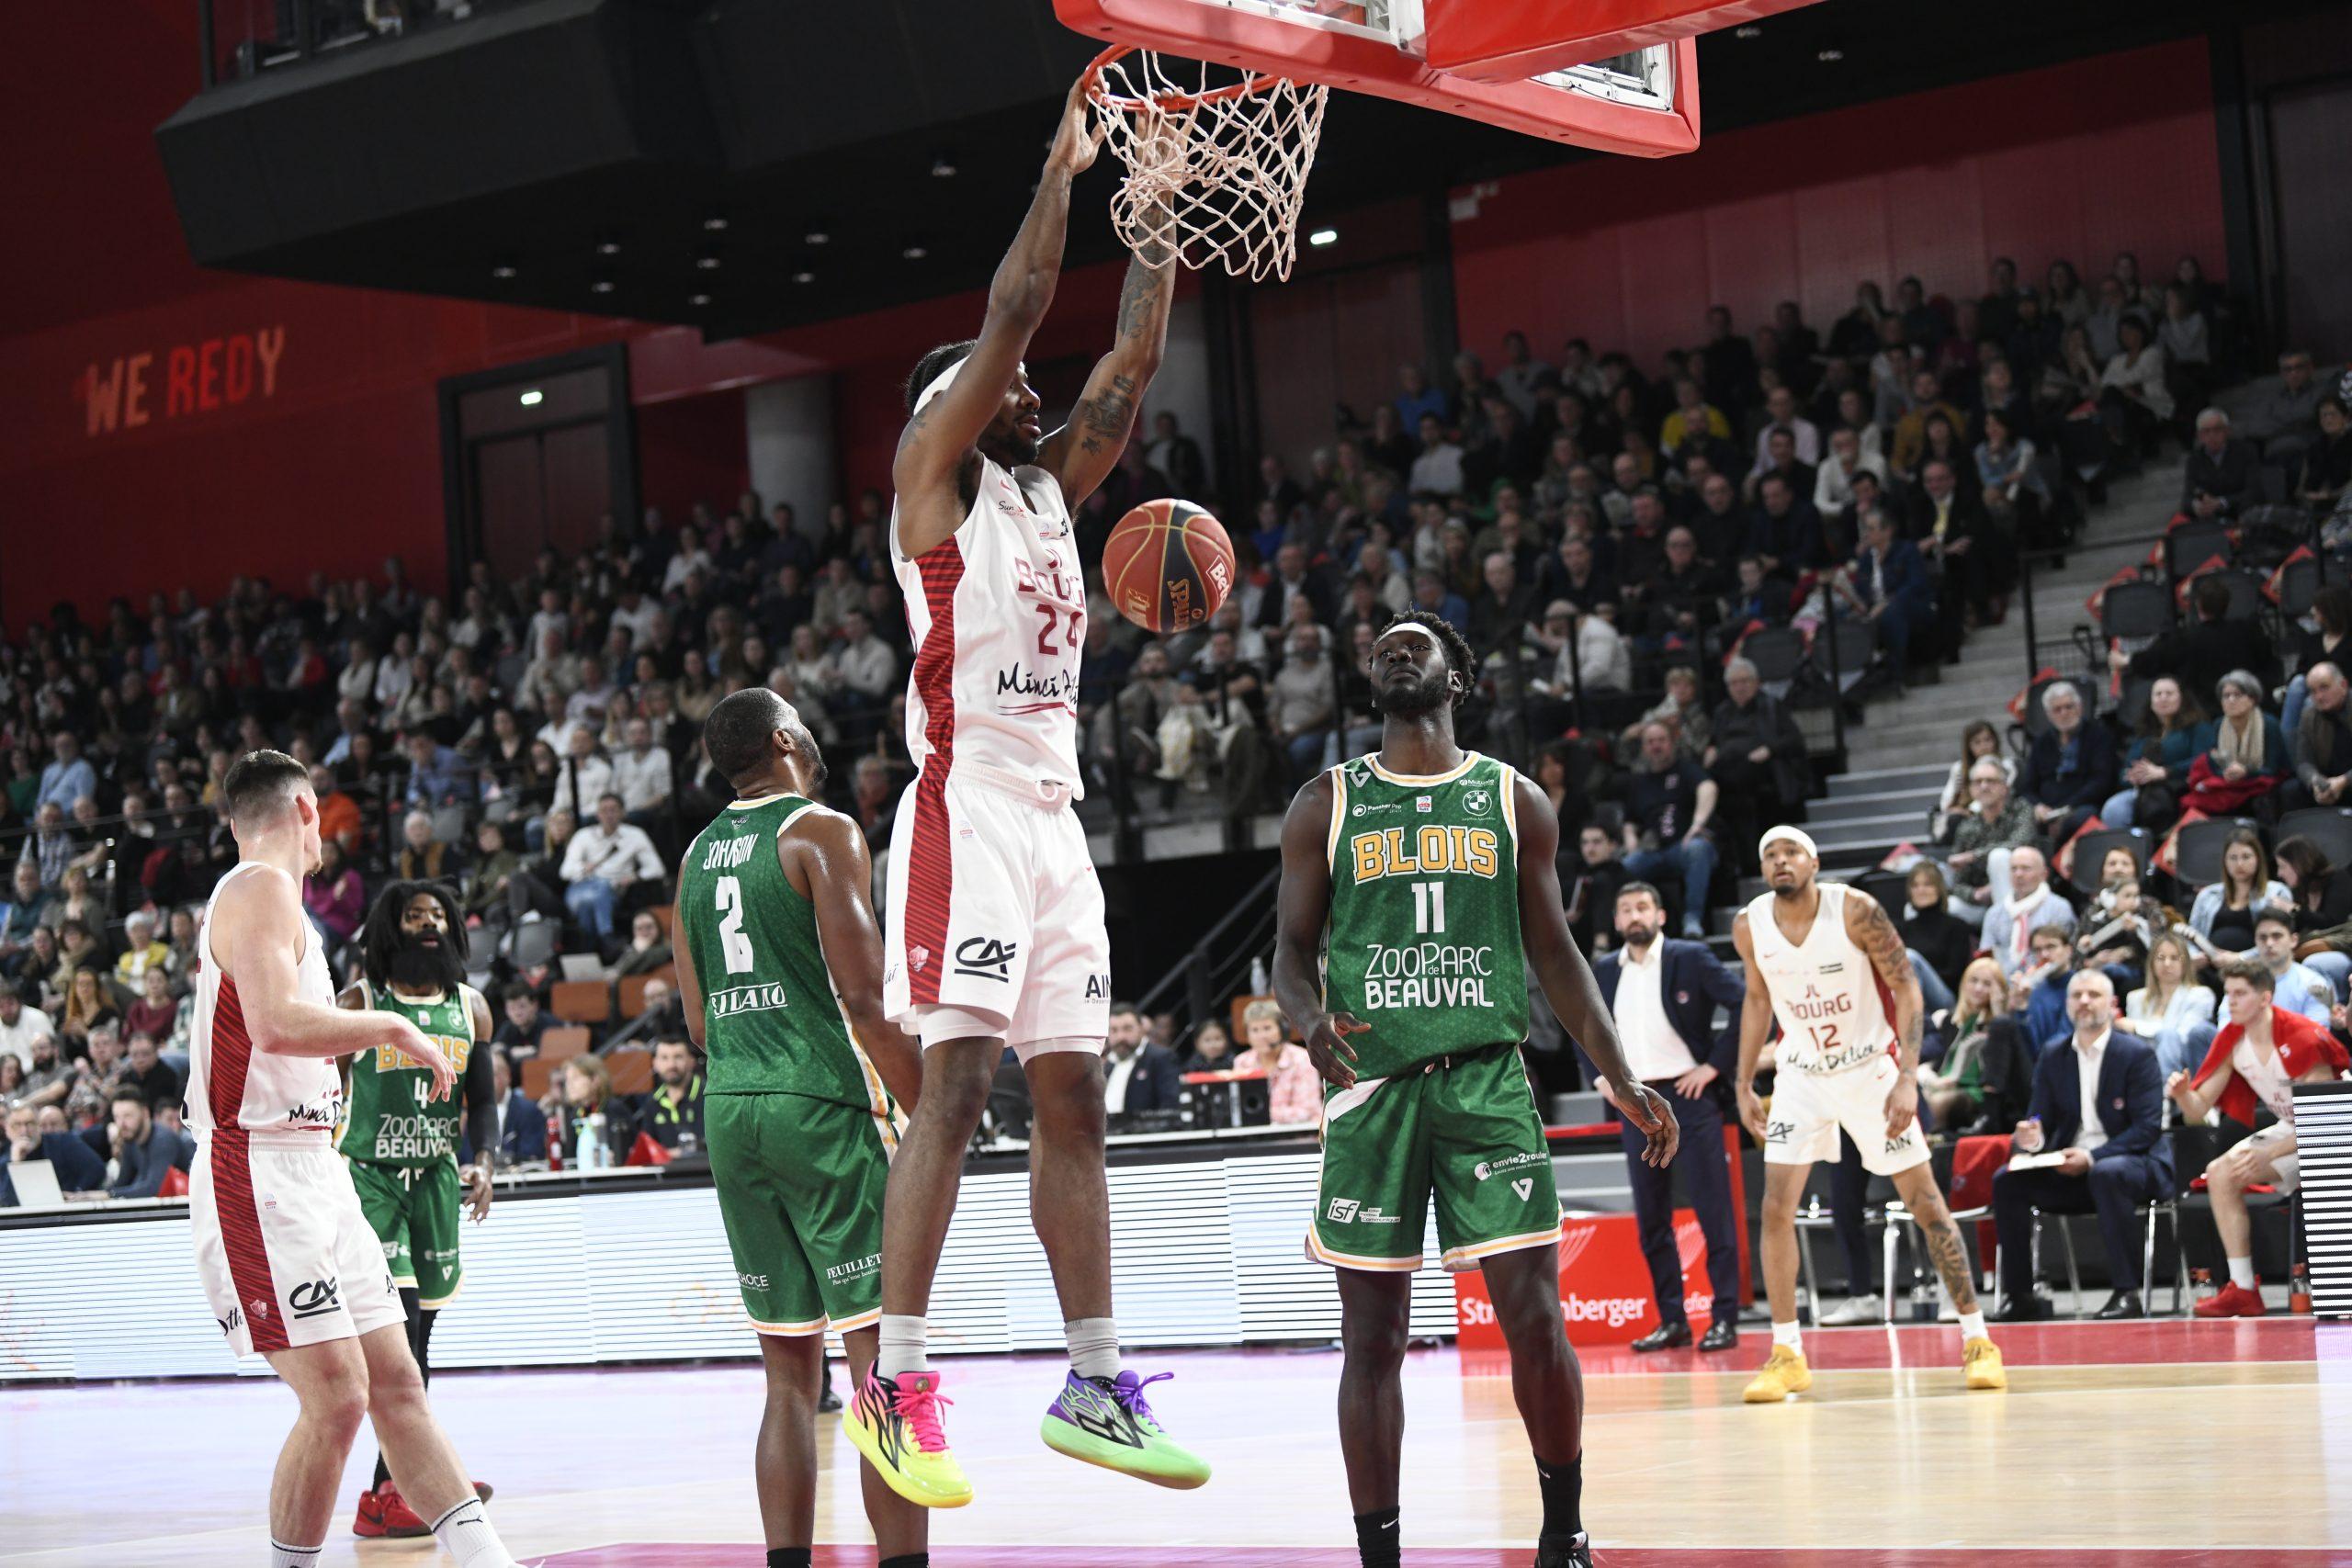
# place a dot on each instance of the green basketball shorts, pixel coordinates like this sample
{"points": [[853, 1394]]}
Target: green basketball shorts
{"points": [[1463, 1130], [415, 1210], [800, 1185]]}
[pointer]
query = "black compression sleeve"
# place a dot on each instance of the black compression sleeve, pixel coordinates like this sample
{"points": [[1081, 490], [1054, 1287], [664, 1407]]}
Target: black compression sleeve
{"points": [[481, 1105]]}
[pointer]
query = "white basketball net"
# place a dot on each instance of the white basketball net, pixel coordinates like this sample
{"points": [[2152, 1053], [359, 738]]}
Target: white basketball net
{"points": [[1216, 171]]}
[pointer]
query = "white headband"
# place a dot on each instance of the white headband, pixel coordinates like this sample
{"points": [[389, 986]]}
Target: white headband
{"points": [[1794, 835], [1412, 626], [946, 378]]}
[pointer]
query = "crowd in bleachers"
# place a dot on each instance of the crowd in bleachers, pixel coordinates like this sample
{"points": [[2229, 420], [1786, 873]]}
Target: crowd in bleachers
{"points": [[1653, 565]]}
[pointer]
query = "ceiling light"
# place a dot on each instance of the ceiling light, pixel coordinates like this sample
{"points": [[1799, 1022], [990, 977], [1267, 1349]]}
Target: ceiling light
{"points": [[697, 298], [532, 398], [804, 278], [502, 271], [601, 285], [1324, 237], [608, 246], [716, 224], [942, 168], [1751, 30], [707, 261], [816, 237], [1830, 56], [914, 253]]}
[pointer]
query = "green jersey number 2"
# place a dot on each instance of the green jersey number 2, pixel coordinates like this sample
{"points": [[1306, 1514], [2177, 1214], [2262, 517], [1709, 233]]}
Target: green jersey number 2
{"points": [[729, 893]]}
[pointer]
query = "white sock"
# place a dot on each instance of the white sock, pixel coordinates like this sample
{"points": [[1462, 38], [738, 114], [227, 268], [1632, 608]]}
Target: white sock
{"points": [[1093, 1346], [466, 1533], [1788, 1334], [2242, 1273], [904, 1346], [295, 1556], [1972, 1325]]}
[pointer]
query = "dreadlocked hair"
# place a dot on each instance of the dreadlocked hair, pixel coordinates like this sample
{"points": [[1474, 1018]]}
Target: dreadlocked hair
{"points": [[1458, 657], [382, 934]]}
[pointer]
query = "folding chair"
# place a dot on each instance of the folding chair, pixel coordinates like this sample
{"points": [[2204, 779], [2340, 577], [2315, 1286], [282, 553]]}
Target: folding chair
{"points": [[2328, 827]]}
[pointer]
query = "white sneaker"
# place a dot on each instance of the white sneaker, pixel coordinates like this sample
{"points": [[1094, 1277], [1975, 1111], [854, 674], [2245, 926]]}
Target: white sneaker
{"points": [[1858, 1312]]}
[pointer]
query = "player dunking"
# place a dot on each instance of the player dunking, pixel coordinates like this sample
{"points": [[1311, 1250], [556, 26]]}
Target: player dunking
{"points": [[288, 1262], [1423, 876], [996, 932], [780, 974], [1828, 964], [403, 1143]]}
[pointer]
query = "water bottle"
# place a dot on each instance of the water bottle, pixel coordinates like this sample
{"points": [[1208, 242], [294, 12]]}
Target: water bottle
{"points": [[2299, 1289], [597, 1157], [1260, 982]]}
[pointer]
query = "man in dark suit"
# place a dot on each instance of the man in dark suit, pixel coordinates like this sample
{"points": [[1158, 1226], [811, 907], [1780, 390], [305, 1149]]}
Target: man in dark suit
{"points": [[1139, 1075], [2223, 478], [522, 1126], [2198, 656], [1955, 530], [1890, 579], [2112, 1145], [1296, 575], [1663, 995]]}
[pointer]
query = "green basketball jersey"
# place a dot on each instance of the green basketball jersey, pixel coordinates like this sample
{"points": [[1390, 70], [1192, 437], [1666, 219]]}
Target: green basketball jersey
{"points": [[386, 1119], [1423, 942], [771, 1021]]}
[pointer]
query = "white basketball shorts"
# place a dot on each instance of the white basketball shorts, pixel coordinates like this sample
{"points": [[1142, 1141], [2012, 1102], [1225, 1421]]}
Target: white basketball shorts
{"points": [[995, 911], [285, 1254], [1807, 1109]]}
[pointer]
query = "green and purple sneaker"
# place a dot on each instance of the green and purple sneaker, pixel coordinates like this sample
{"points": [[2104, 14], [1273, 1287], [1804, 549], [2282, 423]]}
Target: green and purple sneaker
{"points": [[1106, 1421]]}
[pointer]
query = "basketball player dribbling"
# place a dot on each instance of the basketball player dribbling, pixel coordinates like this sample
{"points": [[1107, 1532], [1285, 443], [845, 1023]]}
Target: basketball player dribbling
{"points": [[291, 1266], [1827, 962], [996, 934], [1423, 879]]}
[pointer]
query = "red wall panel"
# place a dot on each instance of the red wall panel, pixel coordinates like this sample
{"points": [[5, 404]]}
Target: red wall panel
{"points": [[691, 449], [2080, 160]]}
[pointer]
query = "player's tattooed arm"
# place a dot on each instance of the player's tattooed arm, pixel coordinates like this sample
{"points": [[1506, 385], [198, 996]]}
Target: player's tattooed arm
{"points": [[1566, 978], [1082, 452], [1872, 929], [1303, 908], [935, 448]]}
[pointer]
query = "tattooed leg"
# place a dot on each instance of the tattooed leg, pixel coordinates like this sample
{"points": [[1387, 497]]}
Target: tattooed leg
{"points": [[1941, 1233]]}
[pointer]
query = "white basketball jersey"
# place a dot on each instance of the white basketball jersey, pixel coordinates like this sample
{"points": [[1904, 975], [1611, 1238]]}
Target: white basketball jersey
{"points": [[998, 617], [1833, 1011], [230, 1083]]}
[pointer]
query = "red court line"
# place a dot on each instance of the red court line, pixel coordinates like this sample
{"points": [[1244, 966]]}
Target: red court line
{"points": [[647, 1555], [2148, 1342]]}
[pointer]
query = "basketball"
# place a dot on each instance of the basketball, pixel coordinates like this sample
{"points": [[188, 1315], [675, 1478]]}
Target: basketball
{"points": [[1167, 564]]}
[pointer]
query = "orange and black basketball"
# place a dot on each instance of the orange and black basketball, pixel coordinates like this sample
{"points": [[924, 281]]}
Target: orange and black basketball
{"points": [[1167, 564]]}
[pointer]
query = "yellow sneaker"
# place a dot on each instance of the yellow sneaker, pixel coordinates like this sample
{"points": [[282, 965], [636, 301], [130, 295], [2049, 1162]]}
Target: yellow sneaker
{"points": [[895, 1424], [1784, 1375], [1980, 1363]]}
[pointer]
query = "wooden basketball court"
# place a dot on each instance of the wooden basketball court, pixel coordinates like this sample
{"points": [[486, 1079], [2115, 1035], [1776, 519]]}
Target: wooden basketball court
{"points": [[2221, 1444]]}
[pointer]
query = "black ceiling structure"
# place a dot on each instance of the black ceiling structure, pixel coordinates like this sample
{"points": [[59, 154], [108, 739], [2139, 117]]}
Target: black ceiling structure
{"points": [[746, 165]]}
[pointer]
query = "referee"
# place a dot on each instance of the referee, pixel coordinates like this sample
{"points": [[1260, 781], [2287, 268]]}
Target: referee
{"points": [[1663, 993]]}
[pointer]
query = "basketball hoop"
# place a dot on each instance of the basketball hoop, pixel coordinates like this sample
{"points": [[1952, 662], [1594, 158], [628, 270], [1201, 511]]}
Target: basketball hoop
{"points": [[1215, 170]]}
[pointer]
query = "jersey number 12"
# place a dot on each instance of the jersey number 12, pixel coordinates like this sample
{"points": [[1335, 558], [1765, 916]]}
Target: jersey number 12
{"points": [[731, 940]]}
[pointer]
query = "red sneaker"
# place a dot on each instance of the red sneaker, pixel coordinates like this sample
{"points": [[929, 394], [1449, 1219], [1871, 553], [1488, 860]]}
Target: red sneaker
{"points": [[401, 1521], [369, 1520], [2231, 1299]]}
